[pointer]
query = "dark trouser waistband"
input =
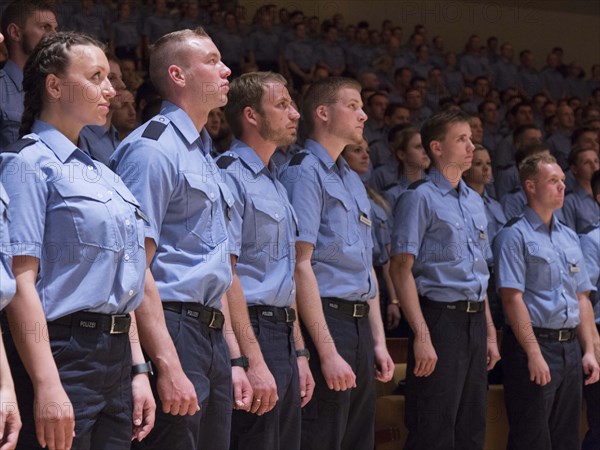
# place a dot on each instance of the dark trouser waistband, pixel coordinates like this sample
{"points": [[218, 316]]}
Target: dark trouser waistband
{"points": [[273, 313], [550, 335], [211, 317], [355, 310], [467, 306], [107, 323]]}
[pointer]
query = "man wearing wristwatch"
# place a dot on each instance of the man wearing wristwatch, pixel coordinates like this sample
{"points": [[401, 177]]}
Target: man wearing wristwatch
{"points": [[337, 288], [262, 297], [544, 286]]}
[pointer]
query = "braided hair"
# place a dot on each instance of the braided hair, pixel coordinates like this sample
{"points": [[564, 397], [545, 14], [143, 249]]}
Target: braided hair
{"points": [[51, 56]]}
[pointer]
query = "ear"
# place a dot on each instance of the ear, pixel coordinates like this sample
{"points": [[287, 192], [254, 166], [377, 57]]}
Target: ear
{"points": [[176, 75], [250, 115], [436, 148], [529, 186], [13, 32], [322, 113], [53, 87]]}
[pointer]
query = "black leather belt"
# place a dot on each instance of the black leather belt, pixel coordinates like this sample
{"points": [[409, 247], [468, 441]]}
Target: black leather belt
{"points": [[353, 309], [107, 323], [273, 313], [211, 317], [547, 334], [461, 305]]}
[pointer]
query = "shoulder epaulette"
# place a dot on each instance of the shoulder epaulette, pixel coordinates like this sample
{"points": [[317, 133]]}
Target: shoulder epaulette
{"points": [[297, 158], [225, 161], [589, 229], [389, 186], [154, 130], [417, 183], [514, 190], [512, 221], [16, 147]]}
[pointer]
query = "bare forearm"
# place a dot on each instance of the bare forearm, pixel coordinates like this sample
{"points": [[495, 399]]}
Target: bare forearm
{"points": [[406, 288], [586, 330], [375, 319]]}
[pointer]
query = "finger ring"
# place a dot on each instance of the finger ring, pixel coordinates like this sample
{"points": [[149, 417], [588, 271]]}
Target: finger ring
{"points": [[258, 400]]}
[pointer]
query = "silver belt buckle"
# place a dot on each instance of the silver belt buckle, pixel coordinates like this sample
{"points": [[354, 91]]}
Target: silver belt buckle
{"points": [[212, 320], [564, 335], [287, 315], [472, 307], [113, 324], [356, 312]]}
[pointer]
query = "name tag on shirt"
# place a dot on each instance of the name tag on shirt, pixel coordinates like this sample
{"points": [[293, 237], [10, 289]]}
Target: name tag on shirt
{"points": [[140, 214], [364, 219], [574, 269], [482, 235]]}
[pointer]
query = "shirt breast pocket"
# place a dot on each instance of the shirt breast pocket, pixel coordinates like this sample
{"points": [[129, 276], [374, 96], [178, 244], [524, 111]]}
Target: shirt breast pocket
{"points": [[270, 227], [449, 237], [204, 217], [543, 271], [89, 206], [339, 214], [574, 263]]}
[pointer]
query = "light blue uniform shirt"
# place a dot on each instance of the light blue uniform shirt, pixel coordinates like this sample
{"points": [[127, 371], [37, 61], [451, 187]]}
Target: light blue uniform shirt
{"points": [[495, 217], [590, 246], [7, 280], [11, 103], [381, 231], [180, 188], [82, 223], [98, 142], [446, 232], [334, 215], [263, 228], [546, 265], [580, 210]]}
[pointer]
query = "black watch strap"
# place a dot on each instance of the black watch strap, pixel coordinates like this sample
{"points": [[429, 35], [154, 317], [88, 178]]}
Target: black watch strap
{"points": [[303, 352], [242, 361], [142, 368]]}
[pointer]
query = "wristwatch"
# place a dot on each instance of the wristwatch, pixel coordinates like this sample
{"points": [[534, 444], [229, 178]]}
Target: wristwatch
{"points": [[303, 352], [142, 368], [242, 361]]}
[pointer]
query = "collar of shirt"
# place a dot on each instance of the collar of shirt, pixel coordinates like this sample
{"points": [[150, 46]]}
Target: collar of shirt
{"points": [[101, 131], [250, 158], [536, 222], [182, 121], [14, 73], [60, 145], [581, 192], [319, 151], [444, 185]]}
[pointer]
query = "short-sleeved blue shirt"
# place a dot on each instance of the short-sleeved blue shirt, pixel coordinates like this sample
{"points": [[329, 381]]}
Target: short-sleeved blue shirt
{"points": [[82, 223], [263, 228], [167, 165], [445, 229], [334, 215], [7, 280], [544, 263], [99, 142]]}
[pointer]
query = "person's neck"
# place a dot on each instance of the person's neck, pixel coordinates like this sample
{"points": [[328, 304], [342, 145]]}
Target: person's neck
{"points": [[19, 59], [263, 149], [586, 186], [330, 143], [544, 214], [62, 124]]}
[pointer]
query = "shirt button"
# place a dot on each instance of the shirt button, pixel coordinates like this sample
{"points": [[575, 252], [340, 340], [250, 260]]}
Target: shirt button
{"points": [[90, 167], [126, 257], [212, 195], [127, 222], [130, 292], [277, 216], [100, 195], [110, 193], [470, 240], [476, 259]]}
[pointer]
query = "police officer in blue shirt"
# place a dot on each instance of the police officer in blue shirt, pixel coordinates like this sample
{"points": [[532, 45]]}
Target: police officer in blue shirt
{"points": [[334, 274], [581, 210], [544, 288], [590, 246], [261, 113], [24, 23], [167, 165], [78, 258], [439, 251]]}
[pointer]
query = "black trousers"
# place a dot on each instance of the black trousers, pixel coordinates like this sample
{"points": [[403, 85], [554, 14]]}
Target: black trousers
{"points": [[205, 360], [95, 371], [342, 420], [543, 417], [280, 427], [447, 409]]}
